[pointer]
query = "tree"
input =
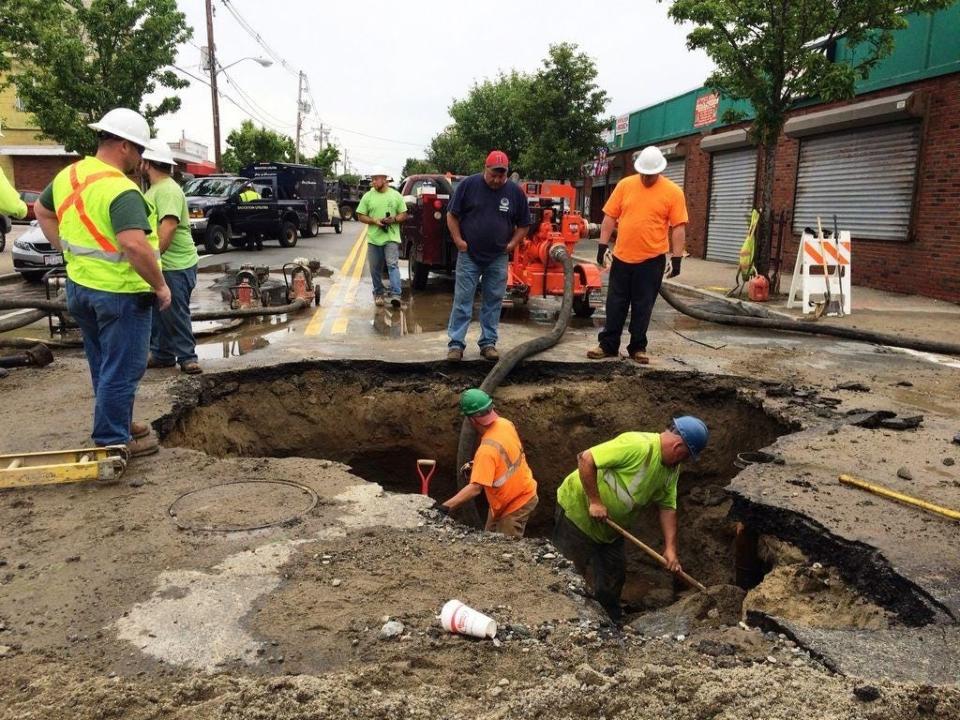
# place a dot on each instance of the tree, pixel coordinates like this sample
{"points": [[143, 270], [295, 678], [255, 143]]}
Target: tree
{"points": [[493, 115], [450, 152], [73, 60], [250, 144], [417, 166], [325, 159], [774, 53], [563, 115]]}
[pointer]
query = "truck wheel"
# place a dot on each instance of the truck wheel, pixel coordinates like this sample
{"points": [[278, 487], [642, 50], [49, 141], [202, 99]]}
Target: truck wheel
{"points": [[216, 240], [337, 226], [581, 305], [346, 212], [418, 273], [313, 226], [288, 234]]}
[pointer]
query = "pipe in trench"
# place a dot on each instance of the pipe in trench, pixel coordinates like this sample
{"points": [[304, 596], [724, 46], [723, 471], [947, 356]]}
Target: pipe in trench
{"points": [[931, 346], [507, 362]]}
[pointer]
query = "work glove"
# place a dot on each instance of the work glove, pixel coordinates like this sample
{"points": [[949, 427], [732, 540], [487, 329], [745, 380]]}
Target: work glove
{"points": [[466, 469], [674, 266], [440, 507], [601, 255]]}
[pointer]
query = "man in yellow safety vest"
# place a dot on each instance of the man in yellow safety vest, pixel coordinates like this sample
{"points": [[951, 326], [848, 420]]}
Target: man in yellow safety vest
{"points": [[107, 231]]}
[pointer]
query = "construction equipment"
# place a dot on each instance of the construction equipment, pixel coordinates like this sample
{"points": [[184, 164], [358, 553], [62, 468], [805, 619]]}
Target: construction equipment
{"points": [[840, 270], [899, 497], [425, 475], [654, 554], [829, 305], [103, 464], [37, 356], [253, 286], [534, 271]]}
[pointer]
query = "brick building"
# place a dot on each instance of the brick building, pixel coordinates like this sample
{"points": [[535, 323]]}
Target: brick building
{"points": [[886, 162]]}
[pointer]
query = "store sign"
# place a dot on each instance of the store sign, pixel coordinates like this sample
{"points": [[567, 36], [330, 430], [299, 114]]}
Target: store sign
{"points": [[705, 112], [623, 124]]}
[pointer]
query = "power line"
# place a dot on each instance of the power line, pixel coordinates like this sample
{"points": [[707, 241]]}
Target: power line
{"points": [[249, 29], [222, 94], [250, 101]]}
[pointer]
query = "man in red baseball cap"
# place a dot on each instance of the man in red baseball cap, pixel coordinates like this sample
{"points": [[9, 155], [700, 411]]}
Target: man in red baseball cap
{"points": [[487, 217]]}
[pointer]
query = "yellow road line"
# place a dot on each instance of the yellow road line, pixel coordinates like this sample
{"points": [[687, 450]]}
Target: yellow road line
{"points": [[359, 248], [347, 296]]}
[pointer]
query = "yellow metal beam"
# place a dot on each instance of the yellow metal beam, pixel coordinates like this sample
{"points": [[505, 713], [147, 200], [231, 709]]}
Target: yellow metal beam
{"points": [[56, 467]]}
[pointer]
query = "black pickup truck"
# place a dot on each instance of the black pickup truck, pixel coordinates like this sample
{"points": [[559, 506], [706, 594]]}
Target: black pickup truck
{"points": [[292, 202]]}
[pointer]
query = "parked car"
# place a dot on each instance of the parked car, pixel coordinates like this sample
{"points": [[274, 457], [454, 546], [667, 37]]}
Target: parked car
{"points": [[33, 255], [29, 197]]}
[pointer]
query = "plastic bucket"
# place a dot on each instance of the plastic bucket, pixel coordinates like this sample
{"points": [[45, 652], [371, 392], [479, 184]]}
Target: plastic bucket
{"points": [[462, 619]]}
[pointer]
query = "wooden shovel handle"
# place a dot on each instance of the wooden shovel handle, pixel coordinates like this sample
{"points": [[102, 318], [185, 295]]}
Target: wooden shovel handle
{"points": [[654, 554]]}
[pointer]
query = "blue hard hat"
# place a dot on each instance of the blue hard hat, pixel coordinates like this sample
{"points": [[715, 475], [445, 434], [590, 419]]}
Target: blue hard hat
{"points": [[694, 432]]}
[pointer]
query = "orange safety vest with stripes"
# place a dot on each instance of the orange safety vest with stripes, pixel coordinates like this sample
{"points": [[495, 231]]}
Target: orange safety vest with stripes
{"points": [[500, 466], [82, 195]]}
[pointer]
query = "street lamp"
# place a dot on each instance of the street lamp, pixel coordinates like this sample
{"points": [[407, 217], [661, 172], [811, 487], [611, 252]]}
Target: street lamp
{"points": [[215, 99]]}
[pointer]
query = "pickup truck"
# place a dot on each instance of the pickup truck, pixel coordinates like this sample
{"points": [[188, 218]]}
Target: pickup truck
{"points": [[425, 240], [292, 202]]}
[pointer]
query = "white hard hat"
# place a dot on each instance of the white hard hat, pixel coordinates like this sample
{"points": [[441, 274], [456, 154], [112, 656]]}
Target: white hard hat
{"points": [[650, 161], [159, 152], [125, 123], [380, 170]]}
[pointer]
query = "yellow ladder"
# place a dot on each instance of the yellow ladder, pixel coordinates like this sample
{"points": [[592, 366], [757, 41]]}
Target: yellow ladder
{"points": [[105, 464]]}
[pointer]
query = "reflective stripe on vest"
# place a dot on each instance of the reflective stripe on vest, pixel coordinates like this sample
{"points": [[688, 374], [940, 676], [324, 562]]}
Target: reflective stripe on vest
{"points": [[512, 467], [75, 200]]}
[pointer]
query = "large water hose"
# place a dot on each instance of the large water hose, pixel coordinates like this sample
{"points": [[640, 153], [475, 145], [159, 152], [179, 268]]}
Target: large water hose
{"points": [[931, 346], [506, 364], [61, 306], [18, 321]]}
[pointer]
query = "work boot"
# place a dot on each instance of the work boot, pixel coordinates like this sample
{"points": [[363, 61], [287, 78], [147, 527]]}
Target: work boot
{"points": [[454, 355], [141, 447], [139, 430], [379, 301], [640, 357], [489, 353], [598, 353]]}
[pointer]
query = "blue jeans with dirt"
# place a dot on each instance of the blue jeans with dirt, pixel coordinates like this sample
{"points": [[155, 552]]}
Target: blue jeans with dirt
{"points": [[116, 339], [377, 255], [171, 336], [469, 274]]}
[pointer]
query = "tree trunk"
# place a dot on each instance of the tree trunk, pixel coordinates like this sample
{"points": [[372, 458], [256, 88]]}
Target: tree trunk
{"points": [[765, 229]]}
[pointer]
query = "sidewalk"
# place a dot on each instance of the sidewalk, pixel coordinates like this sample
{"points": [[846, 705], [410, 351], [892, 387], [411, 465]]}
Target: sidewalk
{"points": [[873, 310]]}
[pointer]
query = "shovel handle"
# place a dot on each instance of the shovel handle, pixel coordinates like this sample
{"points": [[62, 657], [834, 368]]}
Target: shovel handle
{"points": [[422, 464], [654, 554]]}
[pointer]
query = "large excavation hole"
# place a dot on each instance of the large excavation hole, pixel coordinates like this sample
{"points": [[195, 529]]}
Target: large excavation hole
{"points": [[380, 418]]}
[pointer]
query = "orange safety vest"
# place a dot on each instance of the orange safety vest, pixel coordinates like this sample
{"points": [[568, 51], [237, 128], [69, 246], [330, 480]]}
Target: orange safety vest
{"points": [[511, 485]]}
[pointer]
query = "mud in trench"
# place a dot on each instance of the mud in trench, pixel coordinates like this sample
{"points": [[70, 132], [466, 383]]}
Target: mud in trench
{"points": [[380, 418]]}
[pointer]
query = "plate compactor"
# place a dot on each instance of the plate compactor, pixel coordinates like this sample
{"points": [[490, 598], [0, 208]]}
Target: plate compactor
{"points": [[253, 286]]}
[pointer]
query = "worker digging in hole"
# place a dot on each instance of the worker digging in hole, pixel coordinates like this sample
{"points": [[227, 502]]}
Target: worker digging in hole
{"points": [[499, 468], [616, 480]]}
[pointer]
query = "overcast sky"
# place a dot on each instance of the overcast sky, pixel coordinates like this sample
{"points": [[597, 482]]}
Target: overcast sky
{"points": [[391, 70]]}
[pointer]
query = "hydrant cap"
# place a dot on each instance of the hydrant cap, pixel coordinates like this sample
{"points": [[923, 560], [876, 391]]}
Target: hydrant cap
{"points": [[475, 401]]}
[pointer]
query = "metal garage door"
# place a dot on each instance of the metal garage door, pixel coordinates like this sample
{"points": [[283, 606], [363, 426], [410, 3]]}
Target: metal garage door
{"points": [[675, 170], [865, 176], [731, 200]]}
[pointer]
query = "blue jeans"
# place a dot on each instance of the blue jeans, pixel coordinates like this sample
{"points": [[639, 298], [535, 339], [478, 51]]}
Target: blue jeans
{"points": [[377, 255], [171, 337], [494, 286], [116, 338]]}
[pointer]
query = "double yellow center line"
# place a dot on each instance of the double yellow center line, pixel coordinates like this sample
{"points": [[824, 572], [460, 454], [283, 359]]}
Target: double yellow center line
{"points": [[343, 292]]}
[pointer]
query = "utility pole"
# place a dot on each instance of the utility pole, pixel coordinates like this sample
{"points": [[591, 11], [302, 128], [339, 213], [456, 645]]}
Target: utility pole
{"points": [[214, 95], [299, 114]]}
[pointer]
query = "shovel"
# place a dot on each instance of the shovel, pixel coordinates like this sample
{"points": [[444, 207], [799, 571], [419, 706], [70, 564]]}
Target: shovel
{"points": [[655, 555], [829, 306]]}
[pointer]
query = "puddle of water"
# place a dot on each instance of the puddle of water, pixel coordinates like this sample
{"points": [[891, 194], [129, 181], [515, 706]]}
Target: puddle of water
{"points": [[252, 335]]}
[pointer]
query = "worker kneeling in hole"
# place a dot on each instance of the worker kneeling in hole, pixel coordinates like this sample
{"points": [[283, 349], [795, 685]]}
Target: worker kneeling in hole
{"points": [[617, 479], [499, 468]]}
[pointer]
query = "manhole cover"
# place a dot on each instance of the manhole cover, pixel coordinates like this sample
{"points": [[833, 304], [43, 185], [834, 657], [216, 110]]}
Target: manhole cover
{"points": [[242, 505]]}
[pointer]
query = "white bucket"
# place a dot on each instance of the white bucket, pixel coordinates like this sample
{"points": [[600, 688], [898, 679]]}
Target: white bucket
{"points": [[462, 619]]}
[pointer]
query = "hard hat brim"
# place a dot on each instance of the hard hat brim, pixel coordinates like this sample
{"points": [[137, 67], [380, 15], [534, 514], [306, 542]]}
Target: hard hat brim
{"points": [[117, 133], [661, 166]]}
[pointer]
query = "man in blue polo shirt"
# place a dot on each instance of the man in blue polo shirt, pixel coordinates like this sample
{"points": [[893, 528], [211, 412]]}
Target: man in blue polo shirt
{"points": [[487, 217]]}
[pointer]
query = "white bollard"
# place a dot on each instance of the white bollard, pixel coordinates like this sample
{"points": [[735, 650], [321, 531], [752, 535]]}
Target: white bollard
{"points": [[462, 619]]}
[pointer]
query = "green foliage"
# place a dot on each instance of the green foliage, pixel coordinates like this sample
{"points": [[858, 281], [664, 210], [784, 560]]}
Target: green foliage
{"points": [[250, 144], [416, 166], [349, 178], [325, 159], [548, 123], [73, 60]]}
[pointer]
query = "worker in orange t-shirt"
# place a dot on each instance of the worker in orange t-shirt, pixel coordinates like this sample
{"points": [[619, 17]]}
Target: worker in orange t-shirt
{"points": [[650, 215], [499, 469]]}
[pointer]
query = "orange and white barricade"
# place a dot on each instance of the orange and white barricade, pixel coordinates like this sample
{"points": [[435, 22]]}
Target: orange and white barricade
{"points": [[812, 286]]}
